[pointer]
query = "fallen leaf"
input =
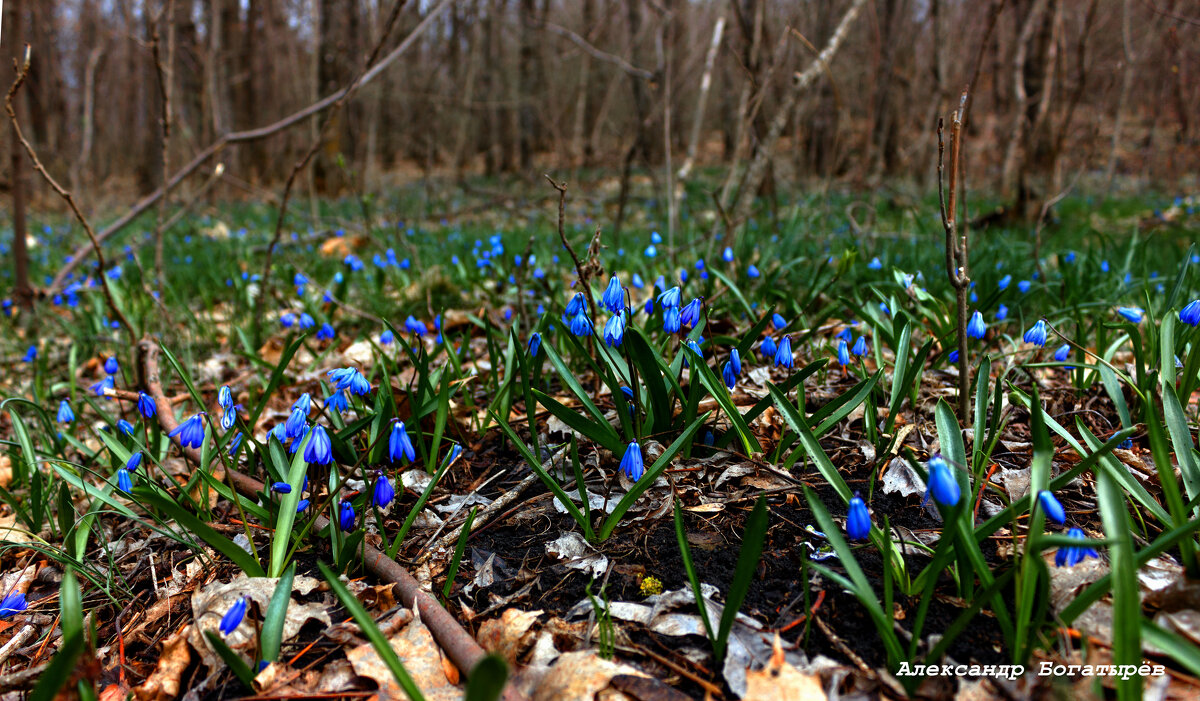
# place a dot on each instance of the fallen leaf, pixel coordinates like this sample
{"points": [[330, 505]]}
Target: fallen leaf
{"points": [[578, 554], [582, 676], [510, 634], [780, 681], [422, 660], [165, 682], [10, 532]]}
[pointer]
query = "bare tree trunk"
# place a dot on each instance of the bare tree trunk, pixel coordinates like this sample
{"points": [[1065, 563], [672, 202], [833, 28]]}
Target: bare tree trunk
{"points": [[1126, 84], [705, 83], [1017, 137], [22, 293]]}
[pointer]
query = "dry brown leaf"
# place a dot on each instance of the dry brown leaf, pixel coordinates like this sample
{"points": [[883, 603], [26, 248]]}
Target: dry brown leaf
{"points": [[114, 692], [10, 532], [582, 676], [6, 473], [165, 682], [510, 634], [422, 659], [780, 681]]}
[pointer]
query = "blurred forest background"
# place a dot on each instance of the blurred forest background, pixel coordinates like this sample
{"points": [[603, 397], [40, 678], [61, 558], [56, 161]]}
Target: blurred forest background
{"points": [[1068, 91]]}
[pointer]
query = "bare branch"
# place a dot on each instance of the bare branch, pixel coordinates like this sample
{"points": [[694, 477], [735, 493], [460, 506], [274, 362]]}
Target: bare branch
{"points": [[597, 53]]}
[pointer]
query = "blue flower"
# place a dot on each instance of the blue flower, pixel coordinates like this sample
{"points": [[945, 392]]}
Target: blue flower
{"points": [[637, 281], [13, 604], [672, 320], [1052, 507], [125, 427], [124, 481], [1071, 555], [319, 450], [614, 330], [783, 355], [346, 516], [1037, 334], [303, 403], [233, 617], [146, 406], [875, 264], [31, 354], [384, 493], [1002, 313], [1132, 314], [860, 346], [111, 366], [535, 344], [690, 314], [581, 325], [225, 397], [1005, 282], [735, 361], [858, 519], [613, 298], [301, 505], [351, 379], [752, 271], [632, 462], [942, 485], [843, 354], [727, 255], [399, 444], [65, 415], [415, 326], [1063, 352], [337, 401], [670, 298], [695, 348], [655, 237], [729, 375], [386, 338], [952, 357], [845, 335], [306, 321], [1104, 266], [1023, 286], [134, 462], [976, 327], [778, 321], [326, 332], [574, 306], [281, 487], [1190, 314], [235, 442], [767, 348], [651, 251], [296, 422], [191, 431]]}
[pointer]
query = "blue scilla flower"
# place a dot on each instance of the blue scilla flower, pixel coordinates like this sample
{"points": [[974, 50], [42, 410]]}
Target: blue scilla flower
{"points": [[1005, 282], [845, 335], [306, 321], [843, 354], [875, 264], [858, 519], [672, 319], [1071, 555], [65, 415], [860, 346], [287, 320], [399, 445], [976, 327], [783, 354], [124, 481], [134, 462], [235, 442], [952, 357], [319, 450], [228, 418], [631, 463], [690, 314], [649, 308], [735, 361], [1131, 314], [1104, 266], [752, 271], [670, 298], [1052, 507], [535, 344], [349, 378], [346, 516], [384, 492], [655, 237], [1063, 352], [581, 325], [415, 326], [1037, 334], [728, 375], [111, 366], [1001, 313], [233, 617], [1024, 286], [767, 348], [13, 604], [942, 485], [146, 406], [1190, 314], [727, 255], [296, 422], [191, 431], [613, 298], [337, 401], [303, 403], [301, 505], [386, 338], [574, 306], [695, 348], [637, 281], [32, 352], [778, 321], [614, 330], [125, 427], [281, 487], [326, 332], [225, 397], [651, 251]]}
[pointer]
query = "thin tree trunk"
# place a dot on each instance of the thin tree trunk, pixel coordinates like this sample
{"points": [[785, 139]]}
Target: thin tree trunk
{"points": [[705, 83], [22, 293], [1016, 138], [1126, 84]]}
